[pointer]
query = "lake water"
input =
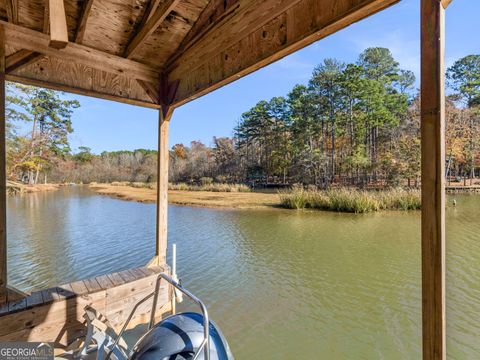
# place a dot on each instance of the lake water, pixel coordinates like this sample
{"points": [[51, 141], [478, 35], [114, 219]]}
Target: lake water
{"points": [[281, 284]]}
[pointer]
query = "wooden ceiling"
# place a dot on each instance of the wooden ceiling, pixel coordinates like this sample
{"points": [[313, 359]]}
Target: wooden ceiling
{"points": [[160, 52]]}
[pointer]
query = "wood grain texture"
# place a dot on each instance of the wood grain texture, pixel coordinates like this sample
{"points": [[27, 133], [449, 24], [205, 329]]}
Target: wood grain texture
{"points": [[252, 39], [163, 158], [215, 12], [56, 314], [111, 23], [156, 19], [12, 10], [75, 53], [82, 23], [3, 176], [21, 59], [58, 24], [433, 178]]}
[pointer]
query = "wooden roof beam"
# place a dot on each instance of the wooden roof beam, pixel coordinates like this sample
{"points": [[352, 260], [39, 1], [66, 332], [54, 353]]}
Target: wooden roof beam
{"points": [[152, 6], [12, 11], [214, 13], [24, 58], [155, 20], [58, 24], [80, 91], [21, 59], [82, 24], [255, 37], [28, 39]]}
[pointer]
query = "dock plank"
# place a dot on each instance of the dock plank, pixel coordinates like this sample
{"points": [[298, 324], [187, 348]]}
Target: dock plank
{"points": [[116, 279], [17, 305], [79, 287], [65, 292], [92, 285], [127, 276], [139, 274], [34, 299], [104, 282], [49, 295]]}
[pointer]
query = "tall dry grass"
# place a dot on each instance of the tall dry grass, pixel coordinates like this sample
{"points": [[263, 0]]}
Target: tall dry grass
{"points": [[213, 187], [351, 200]]}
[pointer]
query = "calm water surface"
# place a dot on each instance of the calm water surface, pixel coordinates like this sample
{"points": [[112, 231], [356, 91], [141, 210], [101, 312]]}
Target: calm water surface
{"points": [[281, 284]]}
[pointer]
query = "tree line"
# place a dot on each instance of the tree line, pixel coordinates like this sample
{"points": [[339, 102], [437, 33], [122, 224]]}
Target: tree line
{"points": [[355, 124]]}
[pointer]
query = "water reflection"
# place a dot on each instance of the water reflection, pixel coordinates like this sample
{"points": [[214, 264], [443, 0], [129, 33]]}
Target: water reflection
{"points": [[281, 284]]}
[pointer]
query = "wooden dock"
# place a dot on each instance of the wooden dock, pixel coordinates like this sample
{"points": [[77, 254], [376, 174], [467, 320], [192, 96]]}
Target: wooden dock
{"points": [[56, 314]]}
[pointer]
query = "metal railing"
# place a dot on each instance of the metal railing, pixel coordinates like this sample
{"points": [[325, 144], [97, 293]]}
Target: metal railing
{"points": [[204, 346]]}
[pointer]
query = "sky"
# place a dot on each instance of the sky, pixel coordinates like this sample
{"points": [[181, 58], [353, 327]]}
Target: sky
{"points": [[108, 126]]}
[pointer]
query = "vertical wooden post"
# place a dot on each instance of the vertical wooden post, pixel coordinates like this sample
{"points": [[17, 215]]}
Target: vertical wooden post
{"points": [[3, 177], [433, 179], [165, 115]]}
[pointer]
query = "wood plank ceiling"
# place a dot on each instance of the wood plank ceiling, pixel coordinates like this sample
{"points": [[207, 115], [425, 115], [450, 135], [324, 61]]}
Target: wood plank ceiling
{"points": [[141, 51]]}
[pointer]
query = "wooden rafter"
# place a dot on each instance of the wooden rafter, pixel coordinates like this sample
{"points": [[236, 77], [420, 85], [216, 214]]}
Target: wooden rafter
{"points": [[12, 10], [80, 91], [82, 24], [214, 13], [156, 19], [223, 33], [152, 6], [17, 36], [58, 24], [24, 58], [21, 59], [151, 90]]}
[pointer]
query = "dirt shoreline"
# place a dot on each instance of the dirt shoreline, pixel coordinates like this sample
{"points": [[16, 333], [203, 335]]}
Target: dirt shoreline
{"points": [[14, 188], [225, 200]]}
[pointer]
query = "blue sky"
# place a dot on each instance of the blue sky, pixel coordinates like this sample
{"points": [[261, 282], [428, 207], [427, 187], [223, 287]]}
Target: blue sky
{"points": [[105, 125]]}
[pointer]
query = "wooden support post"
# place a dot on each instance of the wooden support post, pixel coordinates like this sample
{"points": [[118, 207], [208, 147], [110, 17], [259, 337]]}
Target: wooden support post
{"points": [[433, 178], [165, 114], [58, 24], [3, 178]]}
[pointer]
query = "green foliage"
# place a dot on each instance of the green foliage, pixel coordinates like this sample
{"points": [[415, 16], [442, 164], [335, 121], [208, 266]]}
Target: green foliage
{"points": [[50, 117], [464, 79]]}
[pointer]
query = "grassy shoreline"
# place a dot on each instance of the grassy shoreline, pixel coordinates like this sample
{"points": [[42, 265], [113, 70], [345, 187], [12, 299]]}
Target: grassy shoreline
{"points": [[338, 200], [351, 200]]}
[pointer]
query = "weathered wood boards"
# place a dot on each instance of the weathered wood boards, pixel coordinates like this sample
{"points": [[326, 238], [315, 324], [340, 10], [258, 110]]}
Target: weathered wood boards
{"points": [[259, 35], [12, 10], [433, 179], [58, 24], [56, 314], [21, 37], [156, 19], [82, 24], [216, 41]]}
